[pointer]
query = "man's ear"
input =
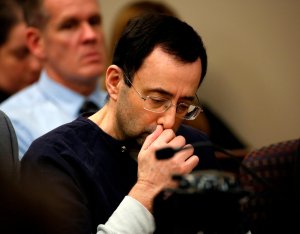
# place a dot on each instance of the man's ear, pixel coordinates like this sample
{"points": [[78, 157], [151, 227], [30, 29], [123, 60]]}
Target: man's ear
{"points": [[35, 42], [114, 76]]}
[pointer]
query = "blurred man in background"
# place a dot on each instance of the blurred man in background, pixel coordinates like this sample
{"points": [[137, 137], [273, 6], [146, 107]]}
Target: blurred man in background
{"points": [[67, 37]]}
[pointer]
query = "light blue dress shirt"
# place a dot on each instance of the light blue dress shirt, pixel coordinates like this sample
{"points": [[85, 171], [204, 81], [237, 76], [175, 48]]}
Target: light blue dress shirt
{"points": [[44, 106]]}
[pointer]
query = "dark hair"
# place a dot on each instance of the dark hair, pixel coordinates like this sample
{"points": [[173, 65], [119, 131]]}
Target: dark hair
{"points": [[34, 13], [10, 15], [144, 33], [134, 9]]}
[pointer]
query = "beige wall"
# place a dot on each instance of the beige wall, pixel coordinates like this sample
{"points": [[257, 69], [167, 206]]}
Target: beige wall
{"points": [[253, 77]]}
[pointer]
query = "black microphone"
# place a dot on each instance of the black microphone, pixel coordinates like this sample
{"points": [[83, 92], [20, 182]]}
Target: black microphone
{"points": [[168, 152]]}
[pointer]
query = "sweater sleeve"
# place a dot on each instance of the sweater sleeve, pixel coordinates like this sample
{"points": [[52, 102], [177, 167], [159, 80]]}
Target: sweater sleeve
{"points": [[130, 217]]}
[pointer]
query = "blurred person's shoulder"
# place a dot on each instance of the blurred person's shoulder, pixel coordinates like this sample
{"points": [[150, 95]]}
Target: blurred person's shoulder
{"points": [[22, 100]]}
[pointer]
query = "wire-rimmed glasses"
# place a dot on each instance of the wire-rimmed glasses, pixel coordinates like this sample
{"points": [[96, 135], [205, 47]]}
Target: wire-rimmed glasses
{"points": [[159, 105]]}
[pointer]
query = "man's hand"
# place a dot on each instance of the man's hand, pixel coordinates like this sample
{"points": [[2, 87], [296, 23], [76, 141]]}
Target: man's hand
{"points": [[155, 175]]}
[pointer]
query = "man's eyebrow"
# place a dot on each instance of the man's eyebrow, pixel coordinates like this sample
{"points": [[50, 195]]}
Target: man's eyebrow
{"points": [[161, 91], [188, 98], [72, 17], [164, 92]]}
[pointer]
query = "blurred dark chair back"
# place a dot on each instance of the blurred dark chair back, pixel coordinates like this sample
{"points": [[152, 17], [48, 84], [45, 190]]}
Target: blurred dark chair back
{"points": [[24, 208], [9, 159], [273, 208]]}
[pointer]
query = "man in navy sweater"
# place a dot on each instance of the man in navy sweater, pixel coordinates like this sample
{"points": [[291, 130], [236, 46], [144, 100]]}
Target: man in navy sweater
{"points": [[101, 170]]}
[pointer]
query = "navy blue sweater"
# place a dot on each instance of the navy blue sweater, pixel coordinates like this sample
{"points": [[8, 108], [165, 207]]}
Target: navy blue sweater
{"points": [[86, 173]]}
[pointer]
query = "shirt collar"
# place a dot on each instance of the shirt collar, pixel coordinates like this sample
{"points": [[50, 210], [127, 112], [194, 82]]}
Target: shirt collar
{"points": [[66, 98]]}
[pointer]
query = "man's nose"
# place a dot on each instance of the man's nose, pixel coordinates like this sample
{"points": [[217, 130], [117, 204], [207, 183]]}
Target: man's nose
{"points": [[88, 32], [168, 118]]}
